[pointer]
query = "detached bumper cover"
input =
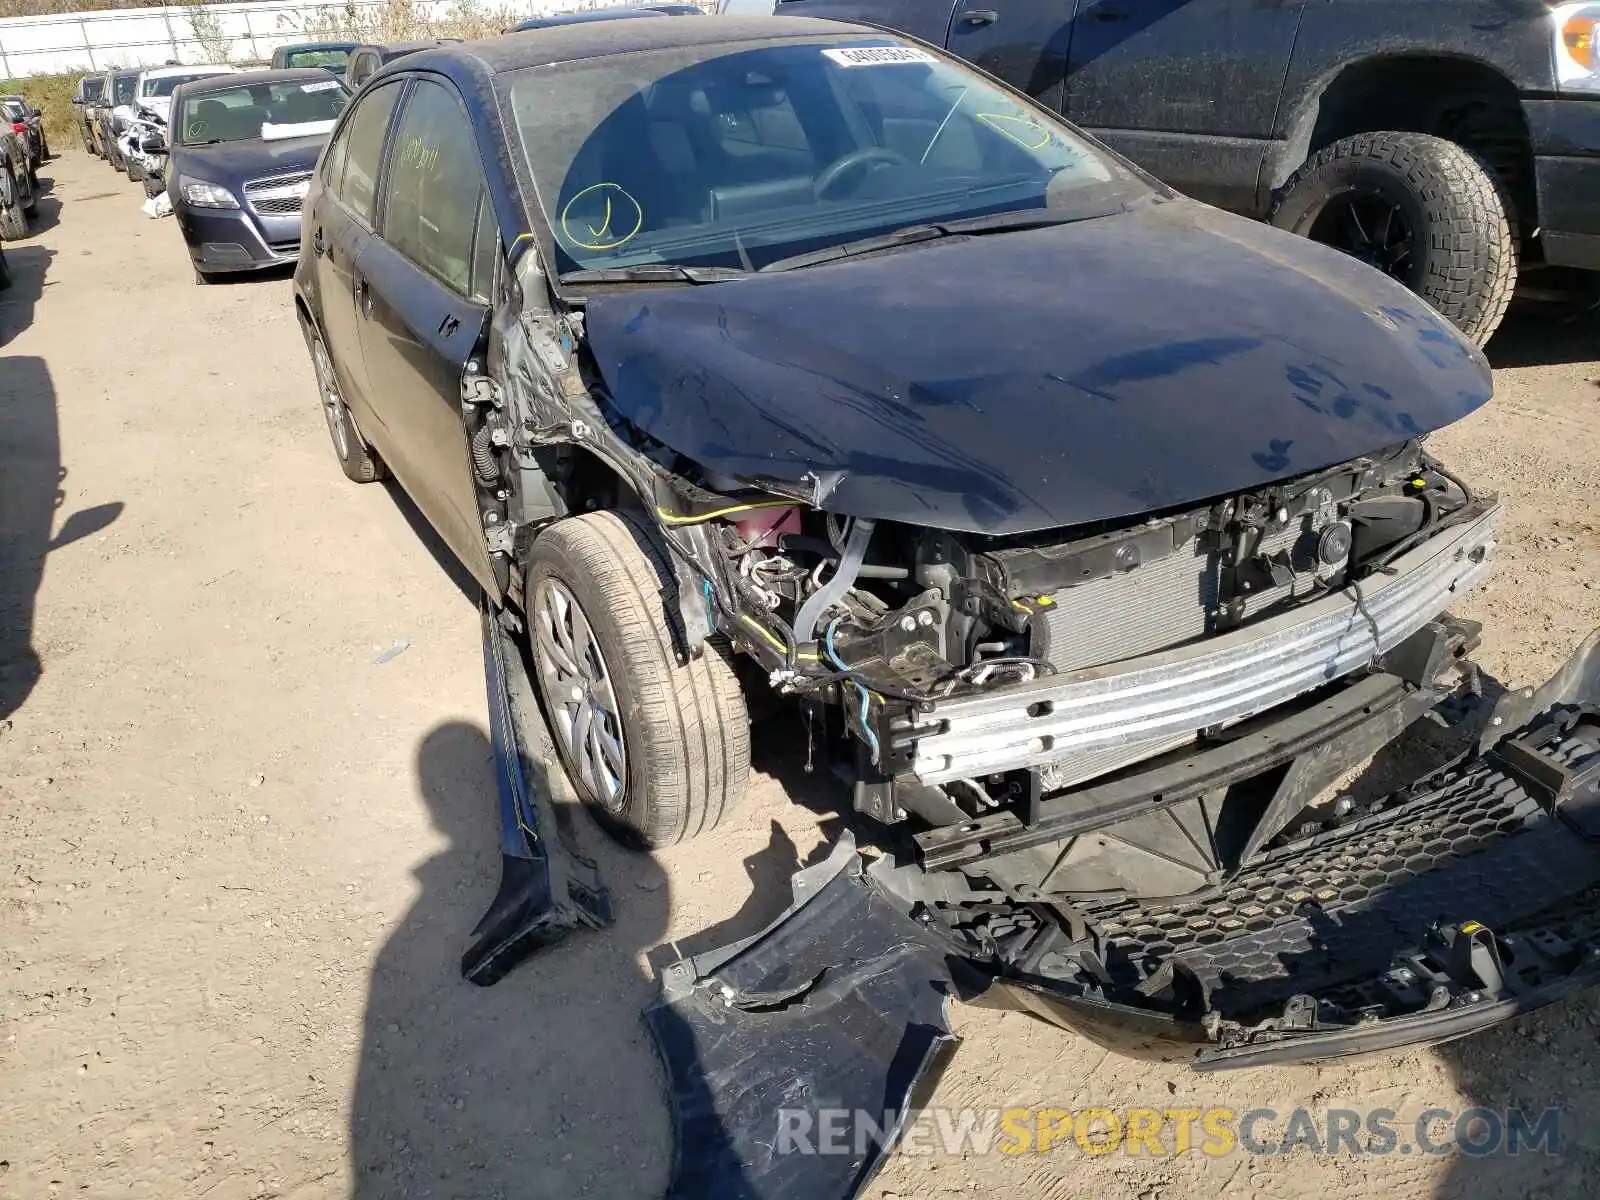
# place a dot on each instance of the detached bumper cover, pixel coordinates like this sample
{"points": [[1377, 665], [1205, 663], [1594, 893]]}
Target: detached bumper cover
{"points": [[1459, 902], [1181, 691], [839, 1004]]}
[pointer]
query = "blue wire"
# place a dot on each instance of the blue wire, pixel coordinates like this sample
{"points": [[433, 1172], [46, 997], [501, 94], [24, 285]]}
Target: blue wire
{"points": [[872, 737]]}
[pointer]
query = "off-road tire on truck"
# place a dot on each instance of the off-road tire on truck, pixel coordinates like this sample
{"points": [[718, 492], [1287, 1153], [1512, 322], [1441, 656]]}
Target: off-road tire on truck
{"points": [[1462, 253], [684, 729], [13, 204], [359, 461]]}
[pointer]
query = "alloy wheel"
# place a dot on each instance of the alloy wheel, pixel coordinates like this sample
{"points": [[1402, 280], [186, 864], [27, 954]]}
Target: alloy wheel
{"points": [[579, 694], [333, 408]]}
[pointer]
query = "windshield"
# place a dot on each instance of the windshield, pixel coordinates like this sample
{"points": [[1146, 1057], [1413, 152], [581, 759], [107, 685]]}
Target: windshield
{"points": [[330, 60], [725, 156], [163, 85], [93, 89], [254, 110], [122, 88]]}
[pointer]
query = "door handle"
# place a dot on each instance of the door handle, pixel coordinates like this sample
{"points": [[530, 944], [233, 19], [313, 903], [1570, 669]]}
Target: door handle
{"points": [[449, 325], [1110, 12], [979, 16], [364, 298], [318, 246]]}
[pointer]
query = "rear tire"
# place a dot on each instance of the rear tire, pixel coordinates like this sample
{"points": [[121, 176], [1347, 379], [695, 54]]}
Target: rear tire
{"points": [[13, 213], [680, 731], [1460, 255], [359, 461]]}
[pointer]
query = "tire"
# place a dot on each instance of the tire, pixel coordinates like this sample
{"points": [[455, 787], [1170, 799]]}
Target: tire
{"points": [[44, 148], [681, 728], [13, 214], [135, 171], [1463, 256], [359, 461], [30, 195], [5, 271]]}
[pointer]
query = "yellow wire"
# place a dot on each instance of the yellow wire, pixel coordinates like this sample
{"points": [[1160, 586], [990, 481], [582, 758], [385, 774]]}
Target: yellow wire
{"points": [[768, 634], [673, 519]]}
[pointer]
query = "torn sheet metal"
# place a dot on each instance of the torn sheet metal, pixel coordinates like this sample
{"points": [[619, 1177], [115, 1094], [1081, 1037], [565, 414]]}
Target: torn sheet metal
{"points": [[547, 889], [839, 1004]]}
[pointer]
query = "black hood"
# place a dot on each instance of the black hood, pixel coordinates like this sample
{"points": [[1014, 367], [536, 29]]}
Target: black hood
{"points": [[1032, 380], [234, 163]]}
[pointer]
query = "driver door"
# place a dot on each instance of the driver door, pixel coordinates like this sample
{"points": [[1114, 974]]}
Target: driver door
{"points": [[422, 305]]}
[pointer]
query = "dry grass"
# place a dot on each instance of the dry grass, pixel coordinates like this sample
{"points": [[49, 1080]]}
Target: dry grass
{"points": [[53, 94]]}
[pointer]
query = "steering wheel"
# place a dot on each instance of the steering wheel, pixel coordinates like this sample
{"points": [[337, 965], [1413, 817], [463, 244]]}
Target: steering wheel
{"points": [[866, 155]]}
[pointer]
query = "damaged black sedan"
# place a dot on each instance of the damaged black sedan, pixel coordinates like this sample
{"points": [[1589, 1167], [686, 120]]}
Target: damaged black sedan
{"points": [[1089, 533]]}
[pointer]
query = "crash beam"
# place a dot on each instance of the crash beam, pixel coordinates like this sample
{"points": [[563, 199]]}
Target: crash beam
{"points": [[1211, 682]]}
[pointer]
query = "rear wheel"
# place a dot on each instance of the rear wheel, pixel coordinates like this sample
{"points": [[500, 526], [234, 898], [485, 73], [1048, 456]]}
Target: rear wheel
{"points": [[660, 749], [358, 460], [13, 214], [1422, 210]]}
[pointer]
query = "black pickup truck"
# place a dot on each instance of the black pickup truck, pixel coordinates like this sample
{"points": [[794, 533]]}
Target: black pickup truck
{"points": [[1451, 143]]}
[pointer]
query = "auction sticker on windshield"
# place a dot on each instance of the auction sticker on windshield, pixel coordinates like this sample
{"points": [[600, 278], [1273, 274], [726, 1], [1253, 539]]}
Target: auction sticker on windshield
{"points": [[878, 56], [321, 85]]}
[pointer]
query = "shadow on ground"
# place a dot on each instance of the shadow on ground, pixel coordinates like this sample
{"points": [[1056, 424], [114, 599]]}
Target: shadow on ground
{"points": [[429, 537], [27, 266], [1539, 335], [545, 1084], [33, 487]]}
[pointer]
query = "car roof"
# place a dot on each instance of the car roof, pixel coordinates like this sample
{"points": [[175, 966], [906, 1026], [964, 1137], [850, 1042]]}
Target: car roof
{"points": [[299, 47], [123, 73], [396, 49], [597, 39], [579, 18], [197, 69], [217, 83]]}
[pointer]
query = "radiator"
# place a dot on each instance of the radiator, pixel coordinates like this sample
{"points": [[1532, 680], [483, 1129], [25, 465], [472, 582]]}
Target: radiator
{"points": [[1153, 607]]}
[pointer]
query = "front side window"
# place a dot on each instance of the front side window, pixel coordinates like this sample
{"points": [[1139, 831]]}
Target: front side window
{"points": [[94, 88], [122, 88], [737, 156], [356, 179], [435, 186], [260, 110]]}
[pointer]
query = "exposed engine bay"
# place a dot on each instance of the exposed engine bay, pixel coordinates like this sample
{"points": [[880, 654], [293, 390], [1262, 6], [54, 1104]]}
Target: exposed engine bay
{"points": [[905, 629]]}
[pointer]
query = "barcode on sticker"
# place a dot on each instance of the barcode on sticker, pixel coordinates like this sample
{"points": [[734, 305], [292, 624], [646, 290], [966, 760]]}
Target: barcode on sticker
{"points": [[878, 56], [322, 85]]}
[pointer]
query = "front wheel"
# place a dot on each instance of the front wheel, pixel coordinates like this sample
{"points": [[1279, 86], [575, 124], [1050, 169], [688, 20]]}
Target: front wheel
{"points": [[658, 748], [1421, 209]]}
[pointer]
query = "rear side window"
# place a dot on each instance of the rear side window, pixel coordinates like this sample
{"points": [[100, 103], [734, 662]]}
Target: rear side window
{"points": [[435, 187], [354, 157]]}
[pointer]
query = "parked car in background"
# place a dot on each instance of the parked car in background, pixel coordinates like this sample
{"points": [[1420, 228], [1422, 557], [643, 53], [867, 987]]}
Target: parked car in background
{"points": [[1450, 145], [333, 57], [114, 114], [88, 93], [240, 156], [29, 123], [17, 194], [367, 59], [620, 13], [152, 103]]}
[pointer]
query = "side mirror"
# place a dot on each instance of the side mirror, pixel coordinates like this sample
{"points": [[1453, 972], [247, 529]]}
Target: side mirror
{"points": [[153, 143], [77, 102]]}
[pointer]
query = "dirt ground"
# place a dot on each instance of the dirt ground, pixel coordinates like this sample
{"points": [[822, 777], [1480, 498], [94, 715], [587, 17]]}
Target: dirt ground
{"points": [[247, 817]]}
